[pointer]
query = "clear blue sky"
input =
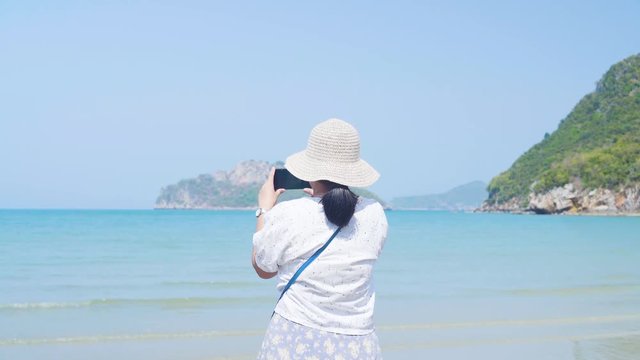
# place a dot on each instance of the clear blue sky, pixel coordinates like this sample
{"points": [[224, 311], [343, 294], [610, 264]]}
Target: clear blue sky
{"points": [[102, 103]]}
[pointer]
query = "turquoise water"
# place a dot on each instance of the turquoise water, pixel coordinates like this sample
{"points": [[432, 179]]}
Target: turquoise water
{"points": [[178, 284]]}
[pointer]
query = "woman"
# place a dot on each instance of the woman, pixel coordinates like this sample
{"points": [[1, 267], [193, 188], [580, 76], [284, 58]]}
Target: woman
{"points": [[327, 313]]}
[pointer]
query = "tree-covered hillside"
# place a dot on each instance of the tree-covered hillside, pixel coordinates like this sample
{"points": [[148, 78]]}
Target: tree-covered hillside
{"points": [[596, 146]]}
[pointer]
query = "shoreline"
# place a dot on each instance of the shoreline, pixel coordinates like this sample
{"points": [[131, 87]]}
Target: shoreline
{"points": [[466, 211], [525, 212], [221, 208]]}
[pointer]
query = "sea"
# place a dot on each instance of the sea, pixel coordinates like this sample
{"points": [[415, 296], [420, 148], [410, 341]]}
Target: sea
{"points": [[172, 284]]}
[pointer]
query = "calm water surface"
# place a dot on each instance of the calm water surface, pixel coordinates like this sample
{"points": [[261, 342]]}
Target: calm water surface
{"points": [[179, 285]]}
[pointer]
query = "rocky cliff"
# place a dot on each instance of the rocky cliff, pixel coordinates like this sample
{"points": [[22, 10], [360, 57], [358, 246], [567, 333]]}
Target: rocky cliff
{"points": [[573, 200]]}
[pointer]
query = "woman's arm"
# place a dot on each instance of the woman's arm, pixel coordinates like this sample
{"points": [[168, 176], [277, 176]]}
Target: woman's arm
{"points": [[261, 273], [267, 198]]}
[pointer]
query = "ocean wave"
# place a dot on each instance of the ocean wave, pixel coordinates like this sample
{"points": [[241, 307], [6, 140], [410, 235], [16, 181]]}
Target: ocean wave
{"points": [[186, 302]]}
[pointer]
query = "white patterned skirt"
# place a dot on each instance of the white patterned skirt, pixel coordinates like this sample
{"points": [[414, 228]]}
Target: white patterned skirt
{"points": [[288, 340]]}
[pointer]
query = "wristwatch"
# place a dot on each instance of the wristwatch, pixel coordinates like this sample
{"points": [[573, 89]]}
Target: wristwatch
{"points": [[260, 211]]}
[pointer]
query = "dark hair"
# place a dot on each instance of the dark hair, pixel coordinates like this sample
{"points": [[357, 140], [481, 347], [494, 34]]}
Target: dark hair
{"points": [[339, 203]]}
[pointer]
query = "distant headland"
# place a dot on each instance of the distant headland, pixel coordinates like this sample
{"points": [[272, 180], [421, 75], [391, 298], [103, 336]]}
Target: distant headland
{"points": [[466, 197], [235, 189], [238, 189]]}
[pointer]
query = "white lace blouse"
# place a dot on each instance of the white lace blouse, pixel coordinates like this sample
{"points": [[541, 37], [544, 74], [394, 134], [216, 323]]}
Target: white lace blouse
{"points": [[335, 292]]}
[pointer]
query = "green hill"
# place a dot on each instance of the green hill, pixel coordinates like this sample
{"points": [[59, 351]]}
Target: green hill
{"points": [[596, 146], [235, 189], [464, 197]]}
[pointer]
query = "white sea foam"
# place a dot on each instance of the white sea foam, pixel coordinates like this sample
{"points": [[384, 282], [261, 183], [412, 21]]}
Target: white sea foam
{"points": [[127, 337], [186, 302], [44, 305]]}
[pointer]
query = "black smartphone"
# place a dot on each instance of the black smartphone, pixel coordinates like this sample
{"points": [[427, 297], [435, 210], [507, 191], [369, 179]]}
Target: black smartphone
{"points": [[283, 179]]}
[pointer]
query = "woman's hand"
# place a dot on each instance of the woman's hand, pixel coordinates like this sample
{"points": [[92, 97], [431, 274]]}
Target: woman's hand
{"points": [[267, 197]]}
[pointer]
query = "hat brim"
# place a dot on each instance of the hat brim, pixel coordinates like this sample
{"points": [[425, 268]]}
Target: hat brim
{"points": [[356, 174]]}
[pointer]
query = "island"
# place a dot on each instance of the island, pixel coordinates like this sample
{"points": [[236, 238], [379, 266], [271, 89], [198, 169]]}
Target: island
{"points": [[233, 190]]}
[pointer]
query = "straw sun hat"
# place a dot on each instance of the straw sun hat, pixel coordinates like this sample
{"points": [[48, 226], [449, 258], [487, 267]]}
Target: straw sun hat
{"points": [[333, 153]]}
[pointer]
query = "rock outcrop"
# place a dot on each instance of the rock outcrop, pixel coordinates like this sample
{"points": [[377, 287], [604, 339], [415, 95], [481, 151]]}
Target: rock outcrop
{"points": [[513, 205], [557, 200], [571, 199]]}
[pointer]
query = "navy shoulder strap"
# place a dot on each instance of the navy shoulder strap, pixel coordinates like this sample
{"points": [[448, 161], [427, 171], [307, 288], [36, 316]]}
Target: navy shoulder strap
{"points": [[306, 263]]}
